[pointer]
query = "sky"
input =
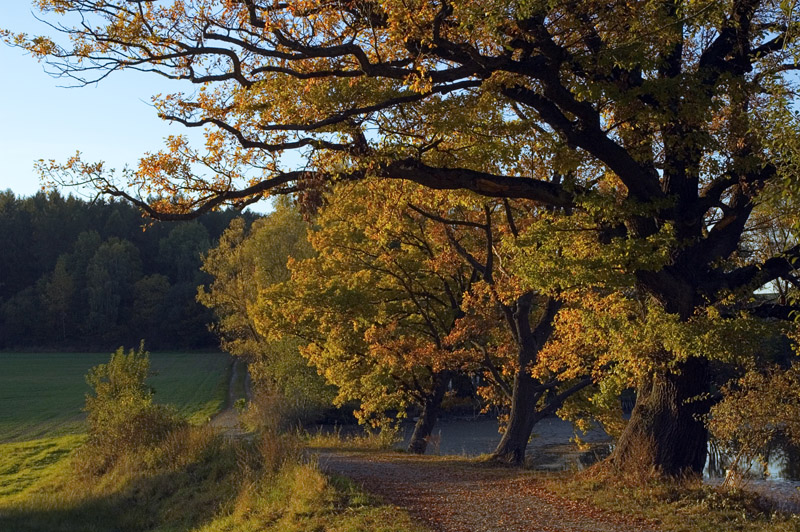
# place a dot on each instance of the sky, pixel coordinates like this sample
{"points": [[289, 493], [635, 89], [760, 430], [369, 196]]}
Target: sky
{"points": [[112, 121]]}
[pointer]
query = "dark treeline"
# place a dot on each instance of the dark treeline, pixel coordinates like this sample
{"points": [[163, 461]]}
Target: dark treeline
{"points": [[76, 275]]}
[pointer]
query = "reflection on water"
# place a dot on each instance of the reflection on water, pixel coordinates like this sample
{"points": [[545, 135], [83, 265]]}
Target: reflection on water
{"points": [[782, 463], [552, 448]]}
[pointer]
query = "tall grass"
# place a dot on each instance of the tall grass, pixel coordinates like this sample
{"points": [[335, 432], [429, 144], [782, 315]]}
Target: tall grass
{"points": [[381, 440]]}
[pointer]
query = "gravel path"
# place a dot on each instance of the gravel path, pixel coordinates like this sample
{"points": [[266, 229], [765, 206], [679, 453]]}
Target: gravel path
{"points": [[459, 496]]}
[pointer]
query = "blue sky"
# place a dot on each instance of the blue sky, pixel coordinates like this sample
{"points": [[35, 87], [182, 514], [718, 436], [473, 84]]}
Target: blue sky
{"points": [[112, 121]]}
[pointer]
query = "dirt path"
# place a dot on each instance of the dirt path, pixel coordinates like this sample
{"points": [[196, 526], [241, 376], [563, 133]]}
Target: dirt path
{"points": [[456, 496], [227, 419]]}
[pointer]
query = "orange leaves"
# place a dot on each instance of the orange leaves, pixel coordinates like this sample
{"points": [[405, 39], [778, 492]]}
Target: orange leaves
{"points": [[390, 346], [79, 172], [596, 334], [375, 304], [41, 46], [339, 85]]}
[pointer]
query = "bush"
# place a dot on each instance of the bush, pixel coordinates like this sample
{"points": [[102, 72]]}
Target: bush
{"points": [[121, 414], [757, 410]]}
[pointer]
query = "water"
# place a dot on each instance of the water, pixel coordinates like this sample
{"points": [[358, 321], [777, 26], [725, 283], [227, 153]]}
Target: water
{"points": [[550, 448], [782, 463], [778, 483]]}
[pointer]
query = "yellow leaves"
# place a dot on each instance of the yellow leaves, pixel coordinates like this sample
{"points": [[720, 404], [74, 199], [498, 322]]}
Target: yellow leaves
{"points": [[41, 46], [500, 80], [620, 341], [56, 6], [390, 345], [419, 82], [560, 253], [757, 410]]}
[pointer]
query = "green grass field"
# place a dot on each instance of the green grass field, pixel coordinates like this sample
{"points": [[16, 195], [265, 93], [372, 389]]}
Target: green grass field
{"points": [[192, 480], [42, 394]]}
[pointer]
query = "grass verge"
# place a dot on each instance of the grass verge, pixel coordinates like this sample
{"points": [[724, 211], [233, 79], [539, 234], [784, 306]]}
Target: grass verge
{"points": [[676, 506], [194, 480]]}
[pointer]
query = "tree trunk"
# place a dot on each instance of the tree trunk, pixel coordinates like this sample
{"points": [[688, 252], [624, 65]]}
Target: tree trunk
{"points": [[527, 391], [429, 414], [511, 449], [666, 433]]}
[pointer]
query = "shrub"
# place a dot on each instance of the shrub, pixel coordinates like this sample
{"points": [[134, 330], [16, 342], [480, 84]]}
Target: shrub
{"points": [[121, 414], [756, 411]]}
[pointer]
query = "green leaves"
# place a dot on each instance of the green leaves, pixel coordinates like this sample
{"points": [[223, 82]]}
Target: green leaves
{"points": [[248, 264], [121, 412]]}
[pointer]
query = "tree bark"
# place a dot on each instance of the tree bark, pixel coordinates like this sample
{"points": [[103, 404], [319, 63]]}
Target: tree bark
{"points": [[666, 433], [429, 414], [523, 417], [527, 391]]}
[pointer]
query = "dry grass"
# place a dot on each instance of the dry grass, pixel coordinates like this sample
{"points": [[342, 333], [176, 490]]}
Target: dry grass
{"points": [[679, 505], [193, 480], [382, 440]]}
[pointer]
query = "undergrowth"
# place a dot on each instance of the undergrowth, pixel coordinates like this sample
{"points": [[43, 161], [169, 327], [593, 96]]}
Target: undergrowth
{"points": [[674, 505], [382, 440], [198, 480]]}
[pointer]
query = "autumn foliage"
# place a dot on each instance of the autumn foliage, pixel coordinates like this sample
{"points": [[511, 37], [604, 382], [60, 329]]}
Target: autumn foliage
{"points": [[637, 152]]}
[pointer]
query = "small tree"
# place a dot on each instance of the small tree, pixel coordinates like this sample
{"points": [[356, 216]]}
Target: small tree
{"points": [[121, 412]]}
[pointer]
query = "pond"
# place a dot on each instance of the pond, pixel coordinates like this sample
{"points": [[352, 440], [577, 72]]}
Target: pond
{"points": [[782, 463], [552, 448]]}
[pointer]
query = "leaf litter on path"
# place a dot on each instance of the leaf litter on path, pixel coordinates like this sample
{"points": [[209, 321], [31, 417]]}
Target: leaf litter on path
{"points": [[459, 496]]}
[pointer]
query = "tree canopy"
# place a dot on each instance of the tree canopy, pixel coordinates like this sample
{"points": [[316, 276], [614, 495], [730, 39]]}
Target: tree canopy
{"points": [[247, 261], [660, 119]]}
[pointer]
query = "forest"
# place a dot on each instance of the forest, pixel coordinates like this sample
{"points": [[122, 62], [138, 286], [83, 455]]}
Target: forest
{"points": [[86, 276], [550, 208]]}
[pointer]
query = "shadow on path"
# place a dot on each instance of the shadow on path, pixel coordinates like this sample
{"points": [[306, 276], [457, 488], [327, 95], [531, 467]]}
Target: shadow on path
{"points": [[461, 496]]}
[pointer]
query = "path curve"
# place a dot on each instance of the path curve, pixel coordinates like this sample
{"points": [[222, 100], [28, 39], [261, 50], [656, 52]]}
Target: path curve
{"points": [[459, 496]]}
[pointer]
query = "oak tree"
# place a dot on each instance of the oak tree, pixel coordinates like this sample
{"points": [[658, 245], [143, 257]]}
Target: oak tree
{"points": [[507, 319], [374, 307], [661, 104]]}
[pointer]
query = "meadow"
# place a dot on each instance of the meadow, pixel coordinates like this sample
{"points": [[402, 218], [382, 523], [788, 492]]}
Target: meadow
{"points": [[193, 479], [42, 394], [42, 398]]}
